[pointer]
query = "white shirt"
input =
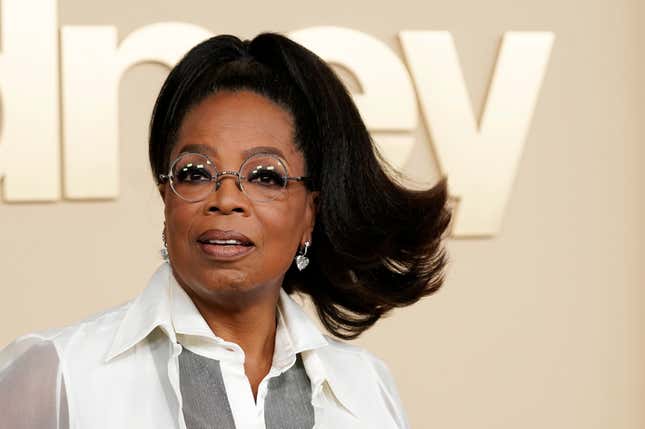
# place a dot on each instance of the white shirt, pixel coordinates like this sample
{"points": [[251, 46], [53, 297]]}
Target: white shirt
{"points": [[119, 369]]}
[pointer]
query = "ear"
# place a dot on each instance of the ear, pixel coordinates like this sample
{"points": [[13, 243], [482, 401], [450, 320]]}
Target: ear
{"points": [[161, 187]]}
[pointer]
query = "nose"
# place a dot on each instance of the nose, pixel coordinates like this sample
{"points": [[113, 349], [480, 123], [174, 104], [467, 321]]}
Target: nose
{"points": [[227, 196]]}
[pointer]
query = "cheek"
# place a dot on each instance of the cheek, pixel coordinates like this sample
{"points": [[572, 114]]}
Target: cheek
{"points": [[179, 218], [281, 232]]}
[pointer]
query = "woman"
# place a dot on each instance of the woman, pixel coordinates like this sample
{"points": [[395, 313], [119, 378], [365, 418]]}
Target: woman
{"points": [[271, 186]]}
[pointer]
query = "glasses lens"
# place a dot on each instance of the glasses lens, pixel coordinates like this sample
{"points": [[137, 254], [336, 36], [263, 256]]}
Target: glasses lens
{"points": [[264, 177], [192, 174]]}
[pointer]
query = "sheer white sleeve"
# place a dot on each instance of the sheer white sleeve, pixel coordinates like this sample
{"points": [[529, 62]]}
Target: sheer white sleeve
{"points": [[389, 390], [32, 388]]}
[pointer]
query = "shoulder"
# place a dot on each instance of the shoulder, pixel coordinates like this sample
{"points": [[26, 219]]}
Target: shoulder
{"points": [[359, 354], [34, 368], [362, 367], [89, 336]]}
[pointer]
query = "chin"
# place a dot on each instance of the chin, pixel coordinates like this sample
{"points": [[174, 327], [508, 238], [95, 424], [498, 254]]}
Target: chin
{"points": [[225, 280]]}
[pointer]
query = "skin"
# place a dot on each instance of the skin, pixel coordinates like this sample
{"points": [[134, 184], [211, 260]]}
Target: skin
{"points": [[238, 299]]}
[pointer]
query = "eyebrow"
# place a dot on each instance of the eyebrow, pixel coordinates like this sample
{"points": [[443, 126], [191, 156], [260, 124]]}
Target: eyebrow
{"points": [[197, 147]]}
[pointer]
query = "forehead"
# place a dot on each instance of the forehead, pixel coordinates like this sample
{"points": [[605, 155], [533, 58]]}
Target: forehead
{"points": [[232, 125]]}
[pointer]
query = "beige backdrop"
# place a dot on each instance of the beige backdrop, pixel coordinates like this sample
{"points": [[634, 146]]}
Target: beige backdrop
{"points": [[537, 327]]}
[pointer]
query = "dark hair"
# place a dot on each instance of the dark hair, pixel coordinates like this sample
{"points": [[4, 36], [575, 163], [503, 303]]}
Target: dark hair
{"points": [[376, 245]]}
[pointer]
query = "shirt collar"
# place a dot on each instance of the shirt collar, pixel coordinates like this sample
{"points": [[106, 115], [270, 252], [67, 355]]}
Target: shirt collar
{"points": [[151, 308], [295, 332], [164, 304]]}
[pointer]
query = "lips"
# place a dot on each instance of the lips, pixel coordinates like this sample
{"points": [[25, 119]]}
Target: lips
{"points": [[224, 238], [225, 246]]}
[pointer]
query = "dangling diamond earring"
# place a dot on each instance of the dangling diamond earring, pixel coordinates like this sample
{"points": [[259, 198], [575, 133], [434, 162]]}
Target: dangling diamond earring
{"points": [[164, 248], [301, 260]]}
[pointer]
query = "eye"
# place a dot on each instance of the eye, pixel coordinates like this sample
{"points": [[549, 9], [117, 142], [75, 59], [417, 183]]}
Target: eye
{"points": [[193, 173], [265, 177]]}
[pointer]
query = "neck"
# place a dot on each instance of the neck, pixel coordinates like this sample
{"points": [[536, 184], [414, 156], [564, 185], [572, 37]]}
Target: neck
{"points": [[246, 319]]}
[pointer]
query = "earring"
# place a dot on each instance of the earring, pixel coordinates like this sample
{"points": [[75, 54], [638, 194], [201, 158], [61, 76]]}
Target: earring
{"points": [[301, 260], [164, 247]]}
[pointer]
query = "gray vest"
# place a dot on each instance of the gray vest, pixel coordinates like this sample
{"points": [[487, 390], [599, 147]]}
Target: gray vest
{"points": [[205, 404]]}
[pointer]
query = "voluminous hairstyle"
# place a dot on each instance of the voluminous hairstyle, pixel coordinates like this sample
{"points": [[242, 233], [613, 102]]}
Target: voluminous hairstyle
{"points": [[376, 244]]}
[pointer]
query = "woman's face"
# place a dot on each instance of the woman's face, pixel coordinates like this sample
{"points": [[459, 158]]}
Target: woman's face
{"points": [[225, 126]]}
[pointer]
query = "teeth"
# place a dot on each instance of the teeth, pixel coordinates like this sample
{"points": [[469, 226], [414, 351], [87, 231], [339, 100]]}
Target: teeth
{"points": [[224, 242]]}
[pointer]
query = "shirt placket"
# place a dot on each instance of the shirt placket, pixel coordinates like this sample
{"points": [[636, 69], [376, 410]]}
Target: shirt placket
{"points": [[246, 413]]}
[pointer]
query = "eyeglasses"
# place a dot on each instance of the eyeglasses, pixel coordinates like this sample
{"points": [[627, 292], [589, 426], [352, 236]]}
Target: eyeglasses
{"points": [[262, 177]]}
